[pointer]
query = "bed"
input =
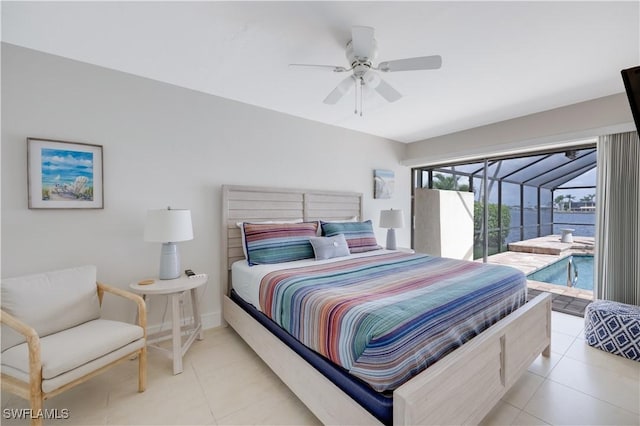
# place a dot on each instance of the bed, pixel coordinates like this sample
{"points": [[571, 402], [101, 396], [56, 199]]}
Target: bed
{"points": [[460, 388]]}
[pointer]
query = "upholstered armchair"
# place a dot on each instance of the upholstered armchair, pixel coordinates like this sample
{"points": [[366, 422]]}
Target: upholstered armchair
{"points": [[53, 337]]}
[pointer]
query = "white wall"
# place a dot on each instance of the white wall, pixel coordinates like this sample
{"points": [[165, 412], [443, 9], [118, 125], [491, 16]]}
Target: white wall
{"points": [[444, 223], [572, 123], [163, 145]]}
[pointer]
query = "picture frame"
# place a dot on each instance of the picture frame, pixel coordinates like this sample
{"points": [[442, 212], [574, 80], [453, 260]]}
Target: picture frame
{"points": [[64, 175], [383, 183]]}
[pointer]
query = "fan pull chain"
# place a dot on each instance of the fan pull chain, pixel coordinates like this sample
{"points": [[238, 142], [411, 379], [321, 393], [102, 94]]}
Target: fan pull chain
{"points": [[355, 94], [361, 89], [358, 86]]}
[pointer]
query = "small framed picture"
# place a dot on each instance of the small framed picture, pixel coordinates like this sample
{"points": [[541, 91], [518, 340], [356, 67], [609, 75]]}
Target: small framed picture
{"points": [[64, 175], [383, 183]]}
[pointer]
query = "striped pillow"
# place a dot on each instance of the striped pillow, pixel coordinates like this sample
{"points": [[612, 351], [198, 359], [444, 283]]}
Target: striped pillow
{"points": [[359, 235], [278, 242], [244, 243]]}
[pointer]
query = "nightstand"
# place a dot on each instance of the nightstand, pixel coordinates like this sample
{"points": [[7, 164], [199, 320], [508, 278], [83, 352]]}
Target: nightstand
{"points": [[175, 290]]}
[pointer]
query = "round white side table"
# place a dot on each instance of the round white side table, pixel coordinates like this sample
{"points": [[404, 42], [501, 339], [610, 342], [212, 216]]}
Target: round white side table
{"points": [[174, 290], [567, 235]]}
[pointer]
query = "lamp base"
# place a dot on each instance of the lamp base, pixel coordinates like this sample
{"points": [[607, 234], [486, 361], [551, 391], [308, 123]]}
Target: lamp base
{"points": [[391, 239], [169, 262]]}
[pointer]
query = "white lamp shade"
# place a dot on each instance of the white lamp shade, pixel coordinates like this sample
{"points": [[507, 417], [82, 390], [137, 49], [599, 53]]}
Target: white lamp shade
{"points": [[391, 219], [168, 225]]}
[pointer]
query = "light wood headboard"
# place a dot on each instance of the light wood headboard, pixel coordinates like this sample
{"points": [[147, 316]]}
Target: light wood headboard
{"points": [[255, 204]]}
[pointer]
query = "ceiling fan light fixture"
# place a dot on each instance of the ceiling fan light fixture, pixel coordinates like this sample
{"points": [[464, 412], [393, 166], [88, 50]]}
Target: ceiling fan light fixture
{"points": [[372, 79], [360, 51]]}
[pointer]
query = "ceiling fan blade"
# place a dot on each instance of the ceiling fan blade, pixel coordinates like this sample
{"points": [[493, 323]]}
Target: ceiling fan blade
{"points": [[387, 91], [412, 64], [333, 68], [373, 80], [362, 42], [340, 90]]}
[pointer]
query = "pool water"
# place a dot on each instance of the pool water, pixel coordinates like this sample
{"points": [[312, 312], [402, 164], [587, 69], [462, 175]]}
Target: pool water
{"points": [[556, 273]]}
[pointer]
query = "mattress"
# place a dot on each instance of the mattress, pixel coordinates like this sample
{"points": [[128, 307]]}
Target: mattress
{"points": [[386, 317]]}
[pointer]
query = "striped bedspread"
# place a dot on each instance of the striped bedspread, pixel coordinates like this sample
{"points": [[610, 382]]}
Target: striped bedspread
{"points": [[385, 318]]}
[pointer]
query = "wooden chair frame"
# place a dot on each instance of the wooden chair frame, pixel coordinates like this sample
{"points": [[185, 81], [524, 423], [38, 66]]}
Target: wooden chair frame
{"points": [[32, 391]]}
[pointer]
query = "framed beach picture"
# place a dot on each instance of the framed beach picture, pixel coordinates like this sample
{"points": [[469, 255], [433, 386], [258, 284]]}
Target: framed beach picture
{"points": [[64, 175], [383, 183]]}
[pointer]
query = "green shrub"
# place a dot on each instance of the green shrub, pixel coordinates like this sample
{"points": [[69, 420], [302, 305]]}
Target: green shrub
{"points": [[496, 241]]}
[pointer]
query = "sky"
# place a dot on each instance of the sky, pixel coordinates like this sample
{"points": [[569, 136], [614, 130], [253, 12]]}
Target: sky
{"points": [[61, 166]]}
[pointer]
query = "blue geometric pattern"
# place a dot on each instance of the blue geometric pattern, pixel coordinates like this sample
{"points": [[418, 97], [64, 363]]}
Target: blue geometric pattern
{"points": [[613, 327]]}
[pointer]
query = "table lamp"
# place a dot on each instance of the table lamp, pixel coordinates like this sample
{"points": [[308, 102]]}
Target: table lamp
{"points": [[391, 219], [168, 226]]}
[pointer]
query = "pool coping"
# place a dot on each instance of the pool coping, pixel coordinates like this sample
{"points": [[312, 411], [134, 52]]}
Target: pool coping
{"points": [[531, 260]]}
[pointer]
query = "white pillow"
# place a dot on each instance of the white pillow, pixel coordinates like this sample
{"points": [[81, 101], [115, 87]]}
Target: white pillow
{"points": [[329, 247], [240, 225]]}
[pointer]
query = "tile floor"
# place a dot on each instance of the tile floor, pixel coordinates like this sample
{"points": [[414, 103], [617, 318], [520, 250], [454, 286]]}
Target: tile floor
{"points": [[224, 382]]}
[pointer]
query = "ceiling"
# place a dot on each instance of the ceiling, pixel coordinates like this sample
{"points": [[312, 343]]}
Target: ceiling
{"points": [[500, 59]]}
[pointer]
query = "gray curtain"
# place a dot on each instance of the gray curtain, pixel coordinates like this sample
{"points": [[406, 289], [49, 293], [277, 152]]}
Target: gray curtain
{"points": [[617, 257]]}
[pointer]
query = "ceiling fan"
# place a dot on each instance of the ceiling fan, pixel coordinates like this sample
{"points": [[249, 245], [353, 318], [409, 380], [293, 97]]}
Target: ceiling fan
{"points": [[360, 52]]}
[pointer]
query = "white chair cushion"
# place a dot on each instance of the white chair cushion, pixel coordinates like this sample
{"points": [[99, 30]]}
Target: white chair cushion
{"points": [[69, 349], [50, 302], [63, 379]]}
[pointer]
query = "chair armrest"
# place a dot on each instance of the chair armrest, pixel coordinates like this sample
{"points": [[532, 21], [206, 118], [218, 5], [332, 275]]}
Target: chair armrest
{"points": [[142, 307], [33, 344], [17, 325]]}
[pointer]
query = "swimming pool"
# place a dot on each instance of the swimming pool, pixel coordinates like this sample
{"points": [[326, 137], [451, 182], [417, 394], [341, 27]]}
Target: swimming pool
{"points": [[557, 272]]}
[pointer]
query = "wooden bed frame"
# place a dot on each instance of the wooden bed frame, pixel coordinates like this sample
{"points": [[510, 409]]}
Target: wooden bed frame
{"points": [[461, 388]]}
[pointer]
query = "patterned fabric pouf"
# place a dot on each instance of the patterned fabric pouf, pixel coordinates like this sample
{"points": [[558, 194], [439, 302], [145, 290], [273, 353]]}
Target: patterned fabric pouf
{"points": [[613, 327]]}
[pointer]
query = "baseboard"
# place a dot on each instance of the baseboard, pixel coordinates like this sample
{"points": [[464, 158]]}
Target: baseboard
{"points": [[209, 320]]}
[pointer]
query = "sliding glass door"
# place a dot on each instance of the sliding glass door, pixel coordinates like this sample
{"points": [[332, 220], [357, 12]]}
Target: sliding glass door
{"points": [[521, 197]]}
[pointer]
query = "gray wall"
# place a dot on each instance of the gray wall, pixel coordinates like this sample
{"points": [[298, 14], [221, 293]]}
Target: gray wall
{"points": [[163, 145]]}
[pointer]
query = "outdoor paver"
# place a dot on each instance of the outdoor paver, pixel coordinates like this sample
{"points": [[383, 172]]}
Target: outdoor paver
{"points": [[552, 245], [532, 255]]}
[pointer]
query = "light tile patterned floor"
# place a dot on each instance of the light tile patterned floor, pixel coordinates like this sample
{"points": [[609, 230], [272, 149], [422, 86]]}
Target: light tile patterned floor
{"points": [[224, 382]]}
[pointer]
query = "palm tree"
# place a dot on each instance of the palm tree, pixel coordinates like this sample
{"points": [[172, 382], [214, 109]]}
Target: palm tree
{"points": [[588, 200], [448, 182], [585, 201], [570, 197], [558, 201], [441, 181]]}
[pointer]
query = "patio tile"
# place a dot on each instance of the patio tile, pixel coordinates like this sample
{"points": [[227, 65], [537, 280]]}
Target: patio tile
{"points": [[567, 300]]}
